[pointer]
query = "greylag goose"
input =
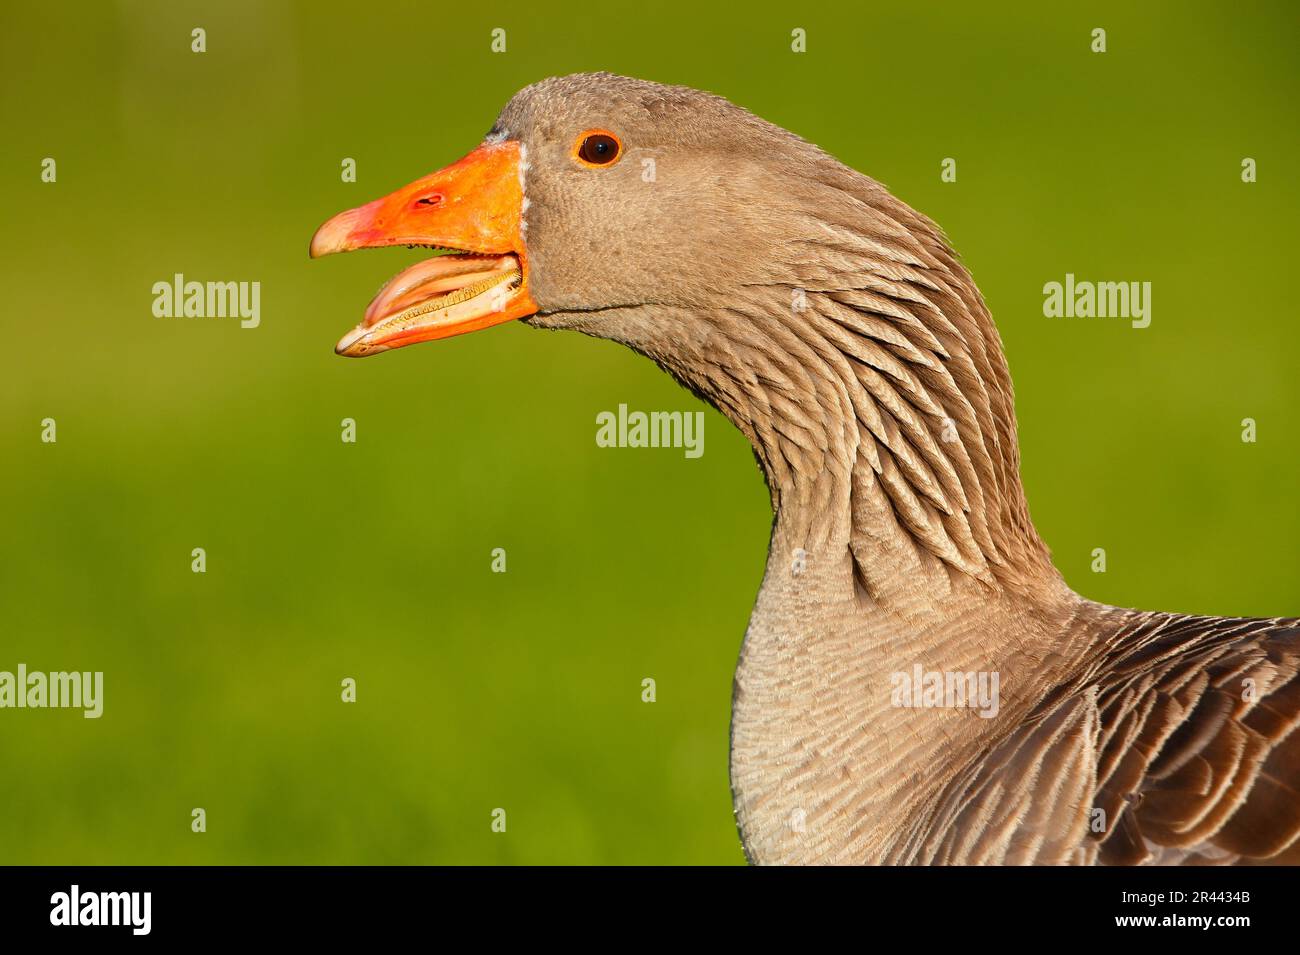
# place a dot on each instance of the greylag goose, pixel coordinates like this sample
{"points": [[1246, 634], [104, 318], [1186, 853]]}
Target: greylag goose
{"points": [[917, 684]]}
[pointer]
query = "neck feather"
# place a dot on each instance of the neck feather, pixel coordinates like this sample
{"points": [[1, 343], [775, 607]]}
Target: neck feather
{"points": [[870, 379]]}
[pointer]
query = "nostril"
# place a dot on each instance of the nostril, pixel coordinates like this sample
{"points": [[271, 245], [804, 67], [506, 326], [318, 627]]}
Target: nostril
{"points": [[433, 199]]}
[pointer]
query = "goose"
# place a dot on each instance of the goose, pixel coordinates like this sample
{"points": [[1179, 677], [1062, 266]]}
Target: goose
{"points": [[837, 330]]}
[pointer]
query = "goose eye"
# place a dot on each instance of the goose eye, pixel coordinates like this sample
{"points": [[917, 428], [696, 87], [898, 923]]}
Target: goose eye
{"points": [[597, 147]]}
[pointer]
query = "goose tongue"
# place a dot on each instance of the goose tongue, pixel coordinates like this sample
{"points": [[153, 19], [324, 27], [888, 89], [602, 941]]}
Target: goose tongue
{"points": [[436, 279], [473, 206]]}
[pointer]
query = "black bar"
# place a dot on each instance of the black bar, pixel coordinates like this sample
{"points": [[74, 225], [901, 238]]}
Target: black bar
{"points": [[937, 906]]}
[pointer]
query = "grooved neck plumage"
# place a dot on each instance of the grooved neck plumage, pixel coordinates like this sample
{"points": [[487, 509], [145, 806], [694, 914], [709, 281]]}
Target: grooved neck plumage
{"points": [[868, 376]]}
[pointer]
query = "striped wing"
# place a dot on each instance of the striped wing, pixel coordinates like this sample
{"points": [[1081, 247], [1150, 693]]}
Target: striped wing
{"points": [[1178, 746], [1199, 758]]}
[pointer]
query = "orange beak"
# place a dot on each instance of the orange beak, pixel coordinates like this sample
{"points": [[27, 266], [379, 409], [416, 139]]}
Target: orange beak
{"points": [[473, 208]]}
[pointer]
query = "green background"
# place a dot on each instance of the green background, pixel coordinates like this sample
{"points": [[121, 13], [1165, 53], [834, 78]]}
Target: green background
{"points": [[328, 560]]}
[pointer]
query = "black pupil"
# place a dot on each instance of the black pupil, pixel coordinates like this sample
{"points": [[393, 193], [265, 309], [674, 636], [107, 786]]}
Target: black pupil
{"points": [[599, 149]]}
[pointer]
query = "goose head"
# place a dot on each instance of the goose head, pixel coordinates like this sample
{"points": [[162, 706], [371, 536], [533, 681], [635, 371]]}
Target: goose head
{"points": [[829, 321], [592, 196]]}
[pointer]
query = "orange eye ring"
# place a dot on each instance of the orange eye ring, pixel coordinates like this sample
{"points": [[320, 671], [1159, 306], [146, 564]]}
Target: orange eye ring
{"points": [[597, 148]]}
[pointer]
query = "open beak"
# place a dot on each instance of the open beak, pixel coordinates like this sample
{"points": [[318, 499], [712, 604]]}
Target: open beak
{"points": [[471, 212]]}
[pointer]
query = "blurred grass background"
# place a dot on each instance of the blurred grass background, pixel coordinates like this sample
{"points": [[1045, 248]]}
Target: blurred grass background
{"points": [[329, 560]]}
